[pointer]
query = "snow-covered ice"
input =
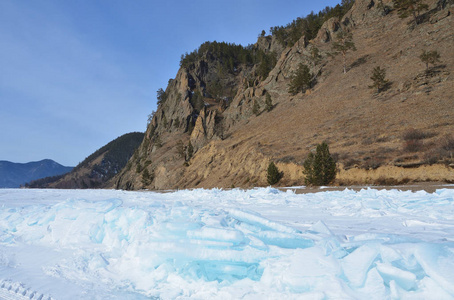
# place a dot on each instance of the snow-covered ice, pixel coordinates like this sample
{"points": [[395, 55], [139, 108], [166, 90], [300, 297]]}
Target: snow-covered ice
{"points": [[236, 244]]}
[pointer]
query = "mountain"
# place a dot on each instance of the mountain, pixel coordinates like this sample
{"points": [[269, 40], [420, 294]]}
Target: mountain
{"points": [[99, 167], [13, 175], [214, 128]]}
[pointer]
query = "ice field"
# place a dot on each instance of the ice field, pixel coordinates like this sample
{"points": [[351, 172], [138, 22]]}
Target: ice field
{"points": [[235, 244]]}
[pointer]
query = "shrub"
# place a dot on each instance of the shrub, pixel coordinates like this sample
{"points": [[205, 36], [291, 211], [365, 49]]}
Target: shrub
{"points": [[416, 134], [273, 175], [448, 143], [319, 168], [350, 163], [413, 146], [430, 57], [158, 142], [287, 159], [372, 163], [413, 140], [433, 156], [147, 163], [443, 153]]}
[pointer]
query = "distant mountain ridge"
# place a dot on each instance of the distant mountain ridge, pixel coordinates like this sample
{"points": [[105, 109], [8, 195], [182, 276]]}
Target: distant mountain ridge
{"points": [[13, 175]]}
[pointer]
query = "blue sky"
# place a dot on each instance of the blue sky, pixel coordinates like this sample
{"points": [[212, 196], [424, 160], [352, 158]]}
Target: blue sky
{"points": [[75, 75]]}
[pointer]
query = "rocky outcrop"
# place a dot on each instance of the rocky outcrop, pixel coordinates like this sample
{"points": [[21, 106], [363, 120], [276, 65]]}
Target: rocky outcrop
{"points": [[204, 129], [359, 12], [269, 44], [364, 10], [327, 31]]}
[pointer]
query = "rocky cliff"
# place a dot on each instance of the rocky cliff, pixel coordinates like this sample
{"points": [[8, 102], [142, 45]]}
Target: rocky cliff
{"points": [[211, 128]]}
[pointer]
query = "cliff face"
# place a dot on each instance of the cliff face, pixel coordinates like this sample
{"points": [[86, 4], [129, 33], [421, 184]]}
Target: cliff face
{"points": [[212, 129]]}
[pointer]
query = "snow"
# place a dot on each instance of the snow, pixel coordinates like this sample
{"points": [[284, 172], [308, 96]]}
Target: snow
{"points": [[226, 244]]}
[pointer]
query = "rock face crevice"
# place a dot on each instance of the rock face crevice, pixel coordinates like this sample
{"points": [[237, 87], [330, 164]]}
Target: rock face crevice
{"points": [[204, 129], [212, 130]]}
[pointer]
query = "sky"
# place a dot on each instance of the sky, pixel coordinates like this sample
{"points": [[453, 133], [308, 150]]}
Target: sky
{"points": [[74, 75]]}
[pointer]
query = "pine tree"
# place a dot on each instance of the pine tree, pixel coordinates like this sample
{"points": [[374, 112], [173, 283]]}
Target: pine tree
{"points": [[150, 117], [164, 121], [343, 45], [176, 123], [308, 171], [273, 175], [378, 77], [315, 55], [255, 108], [430, 57], [189, 151], [301, 80], [147, 177], [319, 168], [161, 96], [406, 8], [268, 102], [197, 100], [180, 149]]}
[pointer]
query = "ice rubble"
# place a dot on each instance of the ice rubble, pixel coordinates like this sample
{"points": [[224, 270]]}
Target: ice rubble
{"points": [[236, 244]]}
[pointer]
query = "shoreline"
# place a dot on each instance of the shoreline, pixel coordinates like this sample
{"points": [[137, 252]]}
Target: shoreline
{"points": [[429, 187]]}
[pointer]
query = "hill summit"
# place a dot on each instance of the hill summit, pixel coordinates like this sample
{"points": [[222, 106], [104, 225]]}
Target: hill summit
{"points": [[230, 109]]}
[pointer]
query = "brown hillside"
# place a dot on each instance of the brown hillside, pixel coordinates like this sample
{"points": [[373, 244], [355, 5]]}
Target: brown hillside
{"points": [[369, 133], [98, 168]]}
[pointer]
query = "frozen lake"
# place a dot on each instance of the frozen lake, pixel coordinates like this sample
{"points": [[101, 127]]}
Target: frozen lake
{"points": [[236, 244]]}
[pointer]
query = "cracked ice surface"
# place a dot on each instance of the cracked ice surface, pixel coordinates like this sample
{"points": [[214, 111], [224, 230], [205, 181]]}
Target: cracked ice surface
{"points": [[236, 244]]}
